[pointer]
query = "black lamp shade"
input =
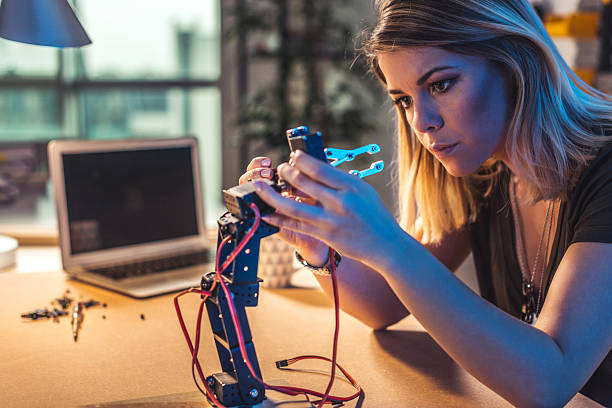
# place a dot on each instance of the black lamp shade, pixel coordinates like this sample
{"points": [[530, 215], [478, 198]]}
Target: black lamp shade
{"points": [[41, 22]]}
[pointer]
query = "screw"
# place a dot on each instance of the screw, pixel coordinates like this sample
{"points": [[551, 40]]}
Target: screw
{"points": [[253, 393]]}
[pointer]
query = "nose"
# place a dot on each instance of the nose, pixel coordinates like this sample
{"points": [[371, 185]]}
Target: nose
{"points": [[426, 118]]}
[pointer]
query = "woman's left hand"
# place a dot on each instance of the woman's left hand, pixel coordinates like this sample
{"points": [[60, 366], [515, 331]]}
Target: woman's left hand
{"points": [[349, 216]]}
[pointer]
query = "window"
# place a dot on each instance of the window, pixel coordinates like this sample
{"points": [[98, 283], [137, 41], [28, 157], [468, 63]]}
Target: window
{"points": [[152, 71]]}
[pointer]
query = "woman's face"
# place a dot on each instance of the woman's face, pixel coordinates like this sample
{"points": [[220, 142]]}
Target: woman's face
{"points": [[456, 105]]}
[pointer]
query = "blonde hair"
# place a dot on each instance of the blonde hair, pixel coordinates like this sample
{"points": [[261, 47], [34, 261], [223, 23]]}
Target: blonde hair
{"points": [[557, 125]]}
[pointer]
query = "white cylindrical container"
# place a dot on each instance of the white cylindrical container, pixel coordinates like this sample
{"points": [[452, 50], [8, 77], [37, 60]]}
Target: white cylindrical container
{"points": [[8, 251]]}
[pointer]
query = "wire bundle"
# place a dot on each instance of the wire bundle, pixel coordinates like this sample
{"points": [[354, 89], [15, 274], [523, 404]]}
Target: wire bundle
{"points": [[194, 348]]}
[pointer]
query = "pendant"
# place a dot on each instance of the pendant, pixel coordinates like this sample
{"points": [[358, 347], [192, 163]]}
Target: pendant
{"points": [[527, 315], [528, 306], [526, 288]]}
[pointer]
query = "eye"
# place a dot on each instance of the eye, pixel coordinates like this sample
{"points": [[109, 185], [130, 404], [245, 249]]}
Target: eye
{"points": [[442, 86], [405, 102]]}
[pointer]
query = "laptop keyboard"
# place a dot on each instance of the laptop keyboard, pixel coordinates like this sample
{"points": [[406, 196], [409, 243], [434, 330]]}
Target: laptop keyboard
{"points": [[152, 266]]}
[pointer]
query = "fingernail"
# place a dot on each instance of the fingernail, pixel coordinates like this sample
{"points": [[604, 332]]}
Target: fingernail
{"points": [[291, 162], [257, 185], [266, 162], [292, 154], [266, 173]]}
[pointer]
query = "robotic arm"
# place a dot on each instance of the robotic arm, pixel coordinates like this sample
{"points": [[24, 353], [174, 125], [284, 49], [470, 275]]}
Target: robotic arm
{"points": [[235, 386]]}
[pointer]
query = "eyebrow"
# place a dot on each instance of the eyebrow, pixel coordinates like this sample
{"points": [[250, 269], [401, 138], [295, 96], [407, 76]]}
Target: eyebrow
{"points": [[424, 78]]}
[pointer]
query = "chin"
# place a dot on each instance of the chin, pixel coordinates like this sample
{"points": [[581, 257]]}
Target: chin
{"points": [[459, 169]]}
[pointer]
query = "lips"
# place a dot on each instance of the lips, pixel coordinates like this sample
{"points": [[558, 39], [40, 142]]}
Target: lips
{"points": [[443, 150], [438, 147]]}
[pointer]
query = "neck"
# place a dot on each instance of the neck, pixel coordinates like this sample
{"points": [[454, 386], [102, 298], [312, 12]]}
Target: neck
{"points": [[515, 174], [501, 154]]}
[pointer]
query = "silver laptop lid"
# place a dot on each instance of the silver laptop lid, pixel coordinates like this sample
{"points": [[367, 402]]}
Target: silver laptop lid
{"points": [[124, 200]]}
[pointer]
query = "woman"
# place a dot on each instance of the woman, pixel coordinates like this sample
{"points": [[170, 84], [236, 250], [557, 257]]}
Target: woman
{"points": [[502, 151]]}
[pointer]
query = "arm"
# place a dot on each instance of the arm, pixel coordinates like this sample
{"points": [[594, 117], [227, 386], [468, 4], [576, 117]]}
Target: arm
{"points": [[364, 292], [367, 296], [537, 366]]}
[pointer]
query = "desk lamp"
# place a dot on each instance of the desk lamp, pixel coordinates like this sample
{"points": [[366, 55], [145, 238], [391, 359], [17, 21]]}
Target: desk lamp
{"points": [[41, 22]]}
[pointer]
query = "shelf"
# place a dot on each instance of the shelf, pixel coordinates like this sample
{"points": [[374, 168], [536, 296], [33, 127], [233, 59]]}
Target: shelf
{"points": [[579, 24]]}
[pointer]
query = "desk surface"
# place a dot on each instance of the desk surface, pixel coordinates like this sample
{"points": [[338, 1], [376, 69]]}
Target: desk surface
{"points": [[122, 360]]}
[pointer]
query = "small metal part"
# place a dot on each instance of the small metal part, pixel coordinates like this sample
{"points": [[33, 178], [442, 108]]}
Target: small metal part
{"points": [[77, 319], [300, 138], [44, 313], [254, 393], [64, 302], [90, 303], [340, 156], [376, 167]]}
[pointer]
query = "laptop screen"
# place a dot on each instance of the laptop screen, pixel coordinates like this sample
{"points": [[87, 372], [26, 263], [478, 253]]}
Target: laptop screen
{"points": [[129, 197]]}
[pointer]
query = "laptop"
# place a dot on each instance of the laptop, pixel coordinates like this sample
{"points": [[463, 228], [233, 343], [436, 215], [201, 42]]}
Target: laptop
{"points": [[130, 213]]}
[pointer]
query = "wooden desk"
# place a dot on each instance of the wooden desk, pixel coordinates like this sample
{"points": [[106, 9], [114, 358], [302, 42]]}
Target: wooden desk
{"points": [[123, 361]]}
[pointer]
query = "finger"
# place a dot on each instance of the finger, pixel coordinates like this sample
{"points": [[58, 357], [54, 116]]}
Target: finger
{"points": [[322, 172], [287, 223], [297, 226], [256, 174], [259, 162], [298, 179], [287, 206]]}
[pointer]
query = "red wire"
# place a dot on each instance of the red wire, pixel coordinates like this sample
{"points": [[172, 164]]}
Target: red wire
{"points": [[336, 330], [194, 350], [208, 393], [346, 374], [326, 398], [233, 313], [242, 346]]}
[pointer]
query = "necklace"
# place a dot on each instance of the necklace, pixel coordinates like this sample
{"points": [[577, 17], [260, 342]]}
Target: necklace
{"points": [[531, 306]]}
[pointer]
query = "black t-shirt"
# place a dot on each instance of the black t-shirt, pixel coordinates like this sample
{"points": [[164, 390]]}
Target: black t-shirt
{"points": [[586, 216]]}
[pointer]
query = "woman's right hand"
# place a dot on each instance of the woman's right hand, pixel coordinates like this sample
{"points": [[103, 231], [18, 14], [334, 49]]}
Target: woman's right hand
{"points": [[311, 249]]}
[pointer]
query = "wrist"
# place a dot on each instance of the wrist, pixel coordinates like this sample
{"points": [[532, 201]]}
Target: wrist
{"points": [[315, 256], [392, 255], [323, 270]]}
